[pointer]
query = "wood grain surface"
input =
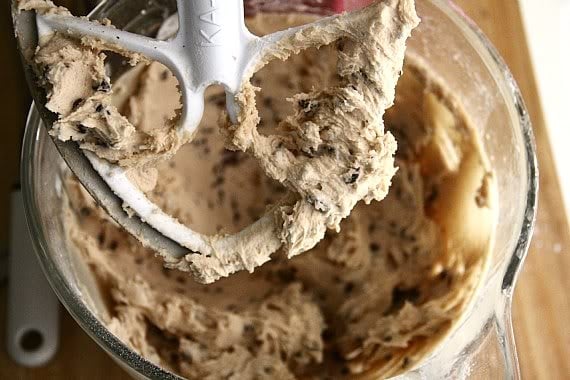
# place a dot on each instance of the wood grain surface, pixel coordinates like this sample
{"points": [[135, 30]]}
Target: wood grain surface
{"points": [[541, 307]]}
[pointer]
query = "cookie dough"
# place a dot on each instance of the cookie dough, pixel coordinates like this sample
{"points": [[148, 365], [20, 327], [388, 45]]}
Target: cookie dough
{"points": [[333, 150], [330, 152], [369, 302], [78, 91]]}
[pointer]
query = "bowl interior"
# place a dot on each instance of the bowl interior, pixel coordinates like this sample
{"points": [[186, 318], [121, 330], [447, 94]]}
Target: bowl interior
{"points": [[454, 51]]}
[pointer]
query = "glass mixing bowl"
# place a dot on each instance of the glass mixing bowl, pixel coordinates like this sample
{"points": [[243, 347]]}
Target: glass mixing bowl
{"points": [[481, 344]]}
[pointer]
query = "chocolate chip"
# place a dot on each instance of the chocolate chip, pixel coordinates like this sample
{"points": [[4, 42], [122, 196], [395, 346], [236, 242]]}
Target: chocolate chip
{"points": [[432, 196], [401, 296], [374, 247], [113, 245], [174, 357], [307, 105], [287, 275], [164, 75], [104, 86], [230, 158], [166, 272], [84, 211], [218, 182], [76, 103], [329, 149], [327, 334], [352, 175], [99, 108], [199, 142], [318, 204], [398, 192], [81, 128], [231, 307]]}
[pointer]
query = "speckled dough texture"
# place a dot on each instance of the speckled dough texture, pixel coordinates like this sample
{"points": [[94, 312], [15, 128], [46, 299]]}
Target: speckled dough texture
{"points": [[368, 302], [79, 92], [330, 151]]}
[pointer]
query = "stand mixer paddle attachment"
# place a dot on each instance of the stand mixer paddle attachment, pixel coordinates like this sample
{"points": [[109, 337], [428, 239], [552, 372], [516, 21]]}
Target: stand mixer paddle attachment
{"points": [[212, 46]]}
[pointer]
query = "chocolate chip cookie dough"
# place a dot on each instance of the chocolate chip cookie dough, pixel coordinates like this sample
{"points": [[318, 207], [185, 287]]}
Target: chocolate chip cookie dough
{"points": [[333, 151], [369, 302], [78, 91], [329, 152]]}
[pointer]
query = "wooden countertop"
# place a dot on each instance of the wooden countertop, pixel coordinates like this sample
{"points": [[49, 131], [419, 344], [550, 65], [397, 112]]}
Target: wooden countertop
{"points": [[541, 307]]}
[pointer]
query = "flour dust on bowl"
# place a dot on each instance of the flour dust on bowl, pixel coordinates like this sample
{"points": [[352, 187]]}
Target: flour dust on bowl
{"points": [[355, 305]]}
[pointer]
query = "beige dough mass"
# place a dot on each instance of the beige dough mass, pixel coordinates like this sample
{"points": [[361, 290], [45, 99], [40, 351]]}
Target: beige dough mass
{"points": [[371, 301], [330, 150], [79, 92]]}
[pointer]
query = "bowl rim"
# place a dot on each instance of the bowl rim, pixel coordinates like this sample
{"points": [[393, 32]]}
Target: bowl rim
{"points": [[128, 357]]}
